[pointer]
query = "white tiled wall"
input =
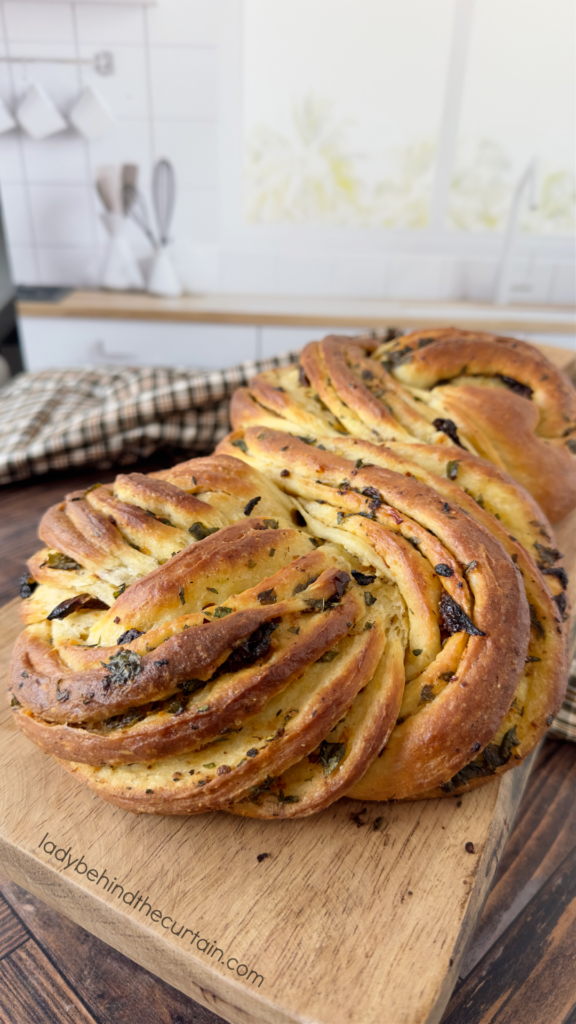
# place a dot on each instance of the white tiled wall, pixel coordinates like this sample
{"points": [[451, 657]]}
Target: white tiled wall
{"points": [[164, 97], [171, 96]]}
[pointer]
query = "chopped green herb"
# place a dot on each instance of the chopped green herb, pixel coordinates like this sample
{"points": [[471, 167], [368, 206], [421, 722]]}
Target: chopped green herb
{"points": [[122, 667], [270, 524], [181, 595], [417, 652], [92, 488], [547, 556], [56, 560], [241, 444], [176, 707], [272, 552], [199, 531], [221, 611], [328, 656], [452, 469], [509, 741], [369, 598], [211, 764], [470, 566], [203, 708], [330, 755], [213, 589], [267, 596]]}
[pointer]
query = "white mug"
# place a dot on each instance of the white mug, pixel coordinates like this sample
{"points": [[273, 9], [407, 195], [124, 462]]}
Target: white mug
{"points": [[38, 115], [91, 115]]}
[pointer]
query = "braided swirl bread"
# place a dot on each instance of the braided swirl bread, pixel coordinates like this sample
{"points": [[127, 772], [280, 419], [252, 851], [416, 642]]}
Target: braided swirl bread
{"points": [[495, 397], [285, 622]]}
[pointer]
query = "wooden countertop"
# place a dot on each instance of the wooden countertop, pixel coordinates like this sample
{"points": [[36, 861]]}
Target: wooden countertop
{"points": [[306, 312]]}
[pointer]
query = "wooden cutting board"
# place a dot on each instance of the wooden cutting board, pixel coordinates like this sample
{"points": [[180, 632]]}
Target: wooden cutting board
{"points": [[358, 915]]}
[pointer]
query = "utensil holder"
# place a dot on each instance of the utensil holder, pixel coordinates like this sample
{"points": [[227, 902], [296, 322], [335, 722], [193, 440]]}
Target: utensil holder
{"points": [[163, 279], [121, 270]]}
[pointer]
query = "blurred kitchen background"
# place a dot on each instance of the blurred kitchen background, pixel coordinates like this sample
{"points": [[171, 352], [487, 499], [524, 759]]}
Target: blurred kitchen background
{"points": [[338, 164]]}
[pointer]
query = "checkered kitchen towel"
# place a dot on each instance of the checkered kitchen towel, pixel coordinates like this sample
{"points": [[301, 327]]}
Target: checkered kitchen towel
{"points": [[61, 419]]}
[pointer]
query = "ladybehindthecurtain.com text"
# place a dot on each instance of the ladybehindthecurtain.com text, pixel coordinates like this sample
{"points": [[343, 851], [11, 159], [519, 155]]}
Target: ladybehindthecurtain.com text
{"points": [[141, 903]]}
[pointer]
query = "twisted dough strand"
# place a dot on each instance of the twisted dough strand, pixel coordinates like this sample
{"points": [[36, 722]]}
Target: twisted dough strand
{"points": [[496, 397], [299, 616]]}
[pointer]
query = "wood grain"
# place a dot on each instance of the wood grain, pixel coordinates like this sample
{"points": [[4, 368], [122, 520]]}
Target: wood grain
{"points": [[32, 990], [113, 988], [544, 833], [12, 932], [295, 311], [528, 977], [331, 921]]}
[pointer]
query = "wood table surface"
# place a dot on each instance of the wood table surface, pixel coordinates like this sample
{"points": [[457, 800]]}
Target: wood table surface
{"points": [[520, 967]]}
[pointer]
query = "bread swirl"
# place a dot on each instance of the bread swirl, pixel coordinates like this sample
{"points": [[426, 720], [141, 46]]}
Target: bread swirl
{"points": [[270, 628], [496, 397]]}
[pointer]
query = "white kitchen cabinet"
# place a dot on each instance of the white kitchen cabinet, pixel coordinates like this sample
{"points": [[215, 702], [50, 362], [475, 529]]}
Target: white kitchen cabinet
{"points": [[54, 343]]}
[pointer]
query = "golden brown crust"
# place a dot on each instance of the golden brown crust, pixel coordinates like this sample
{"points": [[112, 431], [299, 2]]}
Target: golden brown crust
{"points": [[497, 397], [292, 619]]}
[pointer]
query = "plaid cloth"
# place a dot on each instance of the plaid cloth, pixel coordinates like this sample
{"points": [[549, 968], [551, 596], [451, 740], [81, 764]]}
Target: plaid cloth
{"points": [[61, 419]]}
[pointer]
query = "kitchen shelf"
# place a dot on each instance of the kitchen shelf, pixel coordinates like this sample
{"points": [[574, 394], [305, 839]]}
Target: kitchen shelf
{"points": [[306, 312]]}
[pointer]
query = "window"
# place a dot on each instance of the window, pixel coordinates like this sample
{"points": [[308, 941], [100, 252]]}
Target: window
{"points": [[349, 105]]}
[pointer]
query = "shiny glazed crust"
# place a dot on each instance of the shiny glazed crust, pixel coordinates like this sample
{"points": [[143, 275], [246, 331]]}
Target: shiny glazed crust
{"points": [[290, 621], [496, 397]]}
